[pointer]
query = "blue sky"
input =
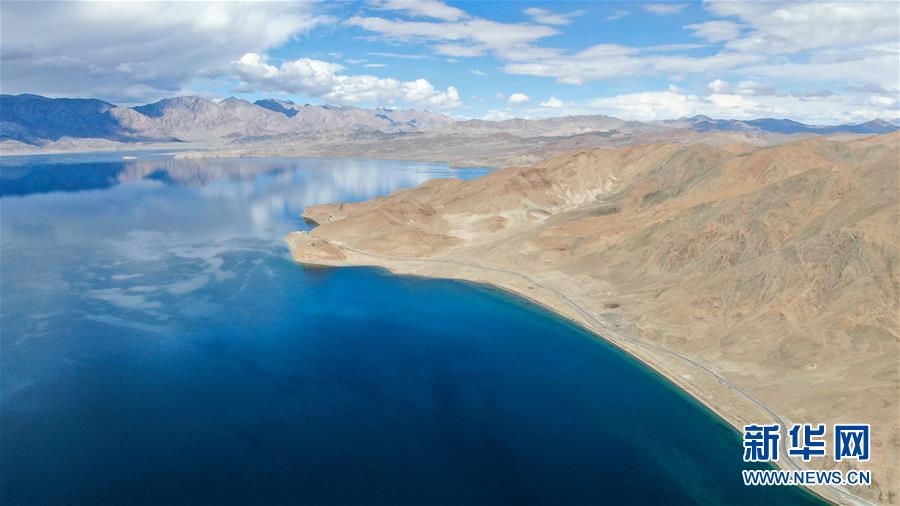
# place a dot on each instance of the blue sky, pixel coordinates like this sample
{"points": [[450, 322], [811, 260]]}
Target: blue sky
{"points": [[815, 62]]}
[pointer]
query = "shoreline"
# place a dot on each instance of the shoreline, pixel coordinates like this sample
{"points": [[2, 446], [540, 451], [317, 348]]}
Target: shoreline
{"points": [[195, 153], [643, 353]]}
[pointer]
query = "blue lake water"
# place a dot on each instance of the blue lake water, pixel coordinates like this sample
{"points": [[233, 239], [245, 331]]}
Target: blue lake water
{"points": [[157, 345]]}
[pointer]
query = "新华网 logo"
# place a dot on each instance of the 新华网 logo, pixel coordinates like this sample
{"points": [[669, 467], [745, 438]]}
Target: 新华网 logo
{"points": [[762, 443]]}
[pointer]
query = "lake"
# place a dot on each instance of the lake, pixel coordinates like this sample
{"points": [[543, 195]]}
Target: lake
{"points": [[159, 346]]}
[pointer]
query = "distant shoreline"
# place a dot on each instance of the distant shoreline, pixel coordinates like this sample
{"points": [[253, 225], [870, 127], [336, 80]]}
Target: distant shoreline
{"points": [[180, 152]]}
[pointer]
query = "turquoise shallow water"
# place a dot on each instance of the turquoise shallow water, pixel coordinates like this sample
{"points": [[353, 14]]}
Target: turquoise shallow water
{"points": [[159, 346]]}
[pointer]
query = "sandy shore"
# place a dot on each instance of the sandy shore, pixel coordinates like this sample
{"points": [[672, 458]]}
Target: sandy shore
{"points": [[700, 381]]}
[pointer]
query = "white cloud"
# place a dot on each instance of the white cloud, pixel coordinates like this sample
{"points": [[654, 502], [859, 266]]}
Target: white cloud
{"points": [[718, 86], [617, 14], [489, 33], [495, 115], [651, 105], [478, 72], [878, 66], [791, 27], [826, 109], [665, 9], [402, 56], [716, 31], [425, 8], [553, 103], [136, 51], [812, 94], [518, 98], [597, 62], [732, 106], [548, 17], [323, 79], [724, 61], [304, 75], [872, 88], [668, 48], [459, 50], [883, 101], [750, 87], [469, 36]]}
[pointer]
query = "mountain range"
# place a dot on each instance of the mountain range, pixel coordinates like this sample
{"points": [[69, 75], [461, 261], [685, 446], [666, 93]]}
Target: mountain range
{"points": [[703, 123], [38, 121]]}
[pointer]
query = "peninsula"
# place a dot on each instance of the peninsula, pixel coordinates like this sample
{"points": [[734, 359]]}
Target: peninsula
{"points": [[761, 280]]}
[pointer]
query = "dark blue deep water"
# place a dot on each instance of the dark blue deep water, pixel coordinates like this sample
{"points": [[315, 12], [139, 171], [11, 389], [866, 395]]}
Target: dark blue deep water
{"points": [[159, 346]]}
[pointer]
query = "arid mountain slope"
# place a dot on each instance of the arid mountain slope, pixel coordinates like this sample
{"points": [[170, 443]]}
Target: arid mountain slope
{"points": [[775, 267]]}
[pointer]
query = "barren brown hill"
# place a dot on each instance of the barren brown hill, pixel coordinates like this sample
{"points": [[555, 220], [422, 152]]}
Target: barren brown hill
{"points": [[764, 281]]}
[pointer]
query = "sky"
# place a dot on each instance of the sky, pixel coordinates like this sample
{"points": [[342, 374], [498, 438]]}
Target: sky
{"points": [[817, 62]]}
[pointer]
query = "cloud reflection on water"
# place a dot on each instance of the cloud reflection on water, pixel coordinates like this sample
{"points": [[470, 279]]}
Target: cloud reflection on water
{"points": [[141, 243]]}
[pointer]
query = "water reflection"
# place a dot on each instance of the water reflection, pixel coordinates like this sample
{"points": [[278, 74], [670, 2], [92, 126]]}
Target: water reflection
{"points": [[139, 244], [238, 197]]}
